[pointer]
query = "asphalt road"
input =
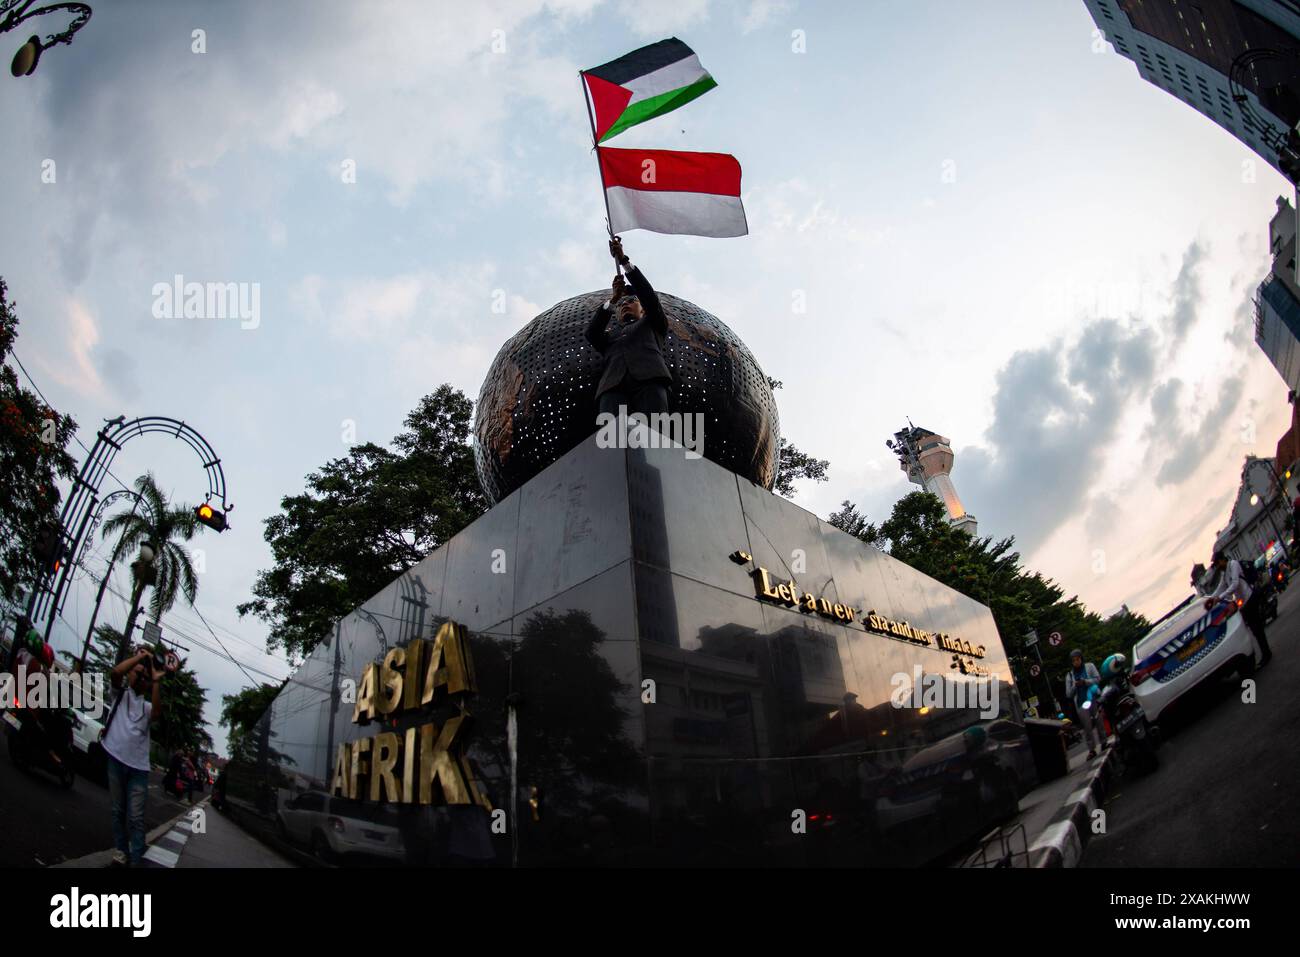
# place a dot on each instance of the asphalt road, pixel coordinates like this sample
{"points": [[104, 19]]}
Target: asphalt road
{"points": [[1227, 792], [41, 823]]}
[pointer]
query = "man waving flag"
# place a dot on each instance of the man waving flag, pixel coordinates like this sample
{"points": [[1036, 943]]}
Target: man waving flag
{"points": [[643, 84]]}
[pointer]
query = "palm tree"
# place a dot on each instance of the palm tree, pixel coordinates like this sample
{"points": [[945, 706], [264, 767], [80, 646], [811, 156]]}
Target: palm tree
{"points": [[157, 523]]}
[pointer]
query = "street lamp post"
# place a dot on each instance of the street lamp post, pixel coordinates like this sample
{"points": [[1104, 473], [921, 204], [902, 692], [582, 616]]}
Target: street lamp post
{"points": [[103, 582], [144, 573], [1268, 506]]}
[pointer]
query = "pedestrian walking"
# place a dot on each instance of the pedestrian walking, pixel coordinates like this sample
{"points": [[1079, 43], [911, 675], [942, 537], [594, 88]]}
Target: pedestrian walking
{"points": [[1078, 681]]}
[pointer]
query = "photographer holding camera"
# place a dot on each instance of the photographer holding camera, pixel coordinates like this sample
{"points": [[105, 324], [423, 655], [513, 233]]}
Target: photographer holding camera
{"points": [[126, 745]]}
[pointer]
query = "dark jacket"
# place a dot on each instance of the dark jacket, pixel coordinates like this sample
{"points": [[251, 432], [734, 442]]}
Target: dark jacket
{"points": [[634, 349]]}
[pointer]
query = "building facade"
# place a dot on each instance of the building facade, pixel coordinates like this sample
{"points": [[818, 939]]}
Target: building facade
{"points": [[1277, 301], [1188, 47], [1261, 514]]}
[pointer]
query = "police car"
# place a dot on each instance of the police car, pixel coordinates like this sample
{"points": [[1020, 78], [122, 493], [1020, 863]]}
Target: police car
{"points": [[1186, 647]]}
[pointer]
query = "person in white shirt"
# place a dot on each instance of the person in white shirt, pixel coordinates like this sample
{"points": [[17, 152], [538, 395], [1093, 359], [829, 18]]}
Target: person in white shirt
{"points": [[126, 746], [1232, 586]]}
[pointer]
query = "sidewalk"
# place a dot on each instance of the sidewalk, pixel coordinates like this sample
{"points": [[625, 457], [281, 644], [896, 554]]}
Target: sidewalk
{"points": [[176, 844], [226, 844], [1039, 811]]}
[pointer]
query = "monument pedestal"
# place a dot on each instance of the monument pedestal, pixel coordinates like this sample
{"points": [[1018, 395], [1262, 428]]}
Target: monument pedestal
{"points": [[649, 702]]}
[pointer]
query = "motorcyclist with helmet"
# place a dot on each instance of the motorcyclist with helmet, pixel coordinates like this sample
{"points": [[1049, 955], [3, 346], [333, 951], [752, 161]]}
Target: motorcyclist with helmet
{"points": [[47, 728]]}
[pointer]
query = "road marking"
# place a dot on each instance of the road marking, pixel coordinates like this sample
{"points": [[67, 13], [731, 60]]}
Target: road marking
{"points": [[161, 856]]}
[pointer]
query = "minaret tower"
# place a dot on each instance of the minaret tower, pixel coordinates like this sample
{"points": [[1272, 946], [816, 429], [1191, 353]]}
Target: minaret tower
{"points": [[927, 460]]}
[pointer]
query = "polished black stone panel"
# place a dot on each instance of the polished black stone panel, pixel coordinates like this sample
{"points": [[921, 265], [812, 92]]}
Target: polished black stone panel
{"points": [[663, 713], [786, 540], [480, 583], [789, 712], [577, 676], [682, 513], [573, 524]]}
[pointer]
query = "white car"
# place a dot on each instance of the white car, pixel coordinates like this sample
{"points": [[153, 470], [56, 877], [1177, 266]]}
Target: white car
{"points": [[86, 729], [337, 829], [1187, 647]]}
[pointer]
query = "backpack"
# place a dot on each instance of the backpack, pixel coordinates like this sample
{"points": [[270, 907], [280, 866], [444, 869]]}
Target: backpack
{"points": [[1250, 573]]}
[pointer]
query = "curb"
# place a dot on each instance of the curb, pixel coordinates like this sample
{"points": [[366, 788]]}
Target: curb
{"points": [[1062, 842], [102, 858]]}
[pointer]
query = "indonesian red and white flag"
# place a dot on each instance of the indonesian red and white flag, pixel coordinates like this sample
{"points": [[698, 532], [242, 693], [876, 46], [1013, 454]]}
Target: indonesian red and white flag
{"points": [[670, 191]]}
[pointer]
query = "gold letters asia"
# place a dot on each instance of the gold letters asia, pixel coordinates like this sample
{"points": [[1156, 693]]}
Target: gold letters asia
{"points": [[424, 764]]}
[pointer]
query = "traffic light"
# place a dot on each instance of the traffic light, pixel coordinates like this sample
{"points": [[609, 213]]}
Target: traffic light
{"points": [[210, 517], [48, 548]]}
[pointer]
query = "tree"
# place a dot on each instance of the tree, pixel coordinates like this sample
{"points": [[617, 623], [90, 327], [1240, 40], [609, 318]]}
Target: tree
{"points": [[182, 725], [33, 457], [793, 464], [156, 521], [102, 653], [918, 532], [364, 519], [240, 712], [849, 519]]}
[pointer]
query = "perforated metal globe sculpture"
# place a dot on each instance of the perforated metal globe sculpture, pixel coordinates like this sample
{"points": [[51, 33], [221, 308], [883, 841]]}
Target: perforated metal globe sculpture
{"points": [[538, 399]]}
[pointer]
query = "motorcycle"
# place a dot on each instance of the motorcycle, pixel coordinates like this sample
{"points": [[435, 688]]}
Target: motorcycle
{"points": [[1268, 589], [33, 735], [1268, 608], [1137, 739]]}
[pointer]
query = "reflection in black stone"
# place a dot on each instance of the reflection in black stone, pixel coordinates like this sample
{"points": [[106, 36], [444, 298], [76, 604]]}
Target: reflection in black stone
{"points": [[414, 597], [572, 743], [381, 637], [754, 725], [656, 606]]}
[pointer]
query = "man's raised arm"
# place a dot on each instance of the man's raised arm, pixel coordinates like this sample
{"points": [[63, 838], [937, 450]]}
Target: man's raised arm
{"points": [[641, 286], [649, 300], [596, 328]]}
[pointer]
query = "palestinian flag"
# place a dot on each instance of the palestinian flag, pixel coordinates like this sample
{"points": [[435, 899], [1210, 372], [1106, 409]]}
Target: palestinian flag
{"points": [[645, 83], [670, 191]]}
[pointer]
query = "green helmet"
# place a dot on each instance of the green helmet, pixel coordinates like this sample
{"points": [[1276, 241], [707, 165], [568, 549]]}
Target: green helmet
{"points": [[33, 641], [1114, 666]]}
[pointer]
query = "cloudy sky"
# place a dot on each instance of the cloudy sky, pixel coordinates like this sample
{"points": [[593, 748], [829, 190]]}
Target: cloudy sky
{"points": [[992, 224]]}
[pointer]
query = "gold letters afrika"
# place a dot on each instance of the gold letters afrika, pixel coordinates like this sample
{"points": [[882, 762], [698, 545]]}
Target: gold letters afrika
{"points": [[426, 761], [788, 593]]}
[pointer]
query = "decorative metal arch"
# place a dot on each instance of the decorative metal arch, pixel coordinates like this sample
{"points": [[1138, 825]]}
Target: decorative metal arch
{"points": [[112, 498], [81, 503]]}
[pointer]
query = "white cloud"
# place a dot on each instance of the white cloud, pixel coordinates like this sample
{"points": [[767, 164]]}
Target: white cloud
{"points": [[659, 20], [758, 13], [81, 335]]}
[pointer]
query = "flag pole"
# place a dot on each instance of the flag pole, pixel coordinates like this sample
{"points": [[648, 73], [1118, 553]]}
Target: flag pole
{"points": [[595, 148]]}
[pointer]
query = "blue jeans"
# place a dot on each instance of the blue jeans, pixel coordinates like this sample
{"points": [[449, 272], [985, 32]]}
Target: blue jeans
{"points": [[127, 787]]}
